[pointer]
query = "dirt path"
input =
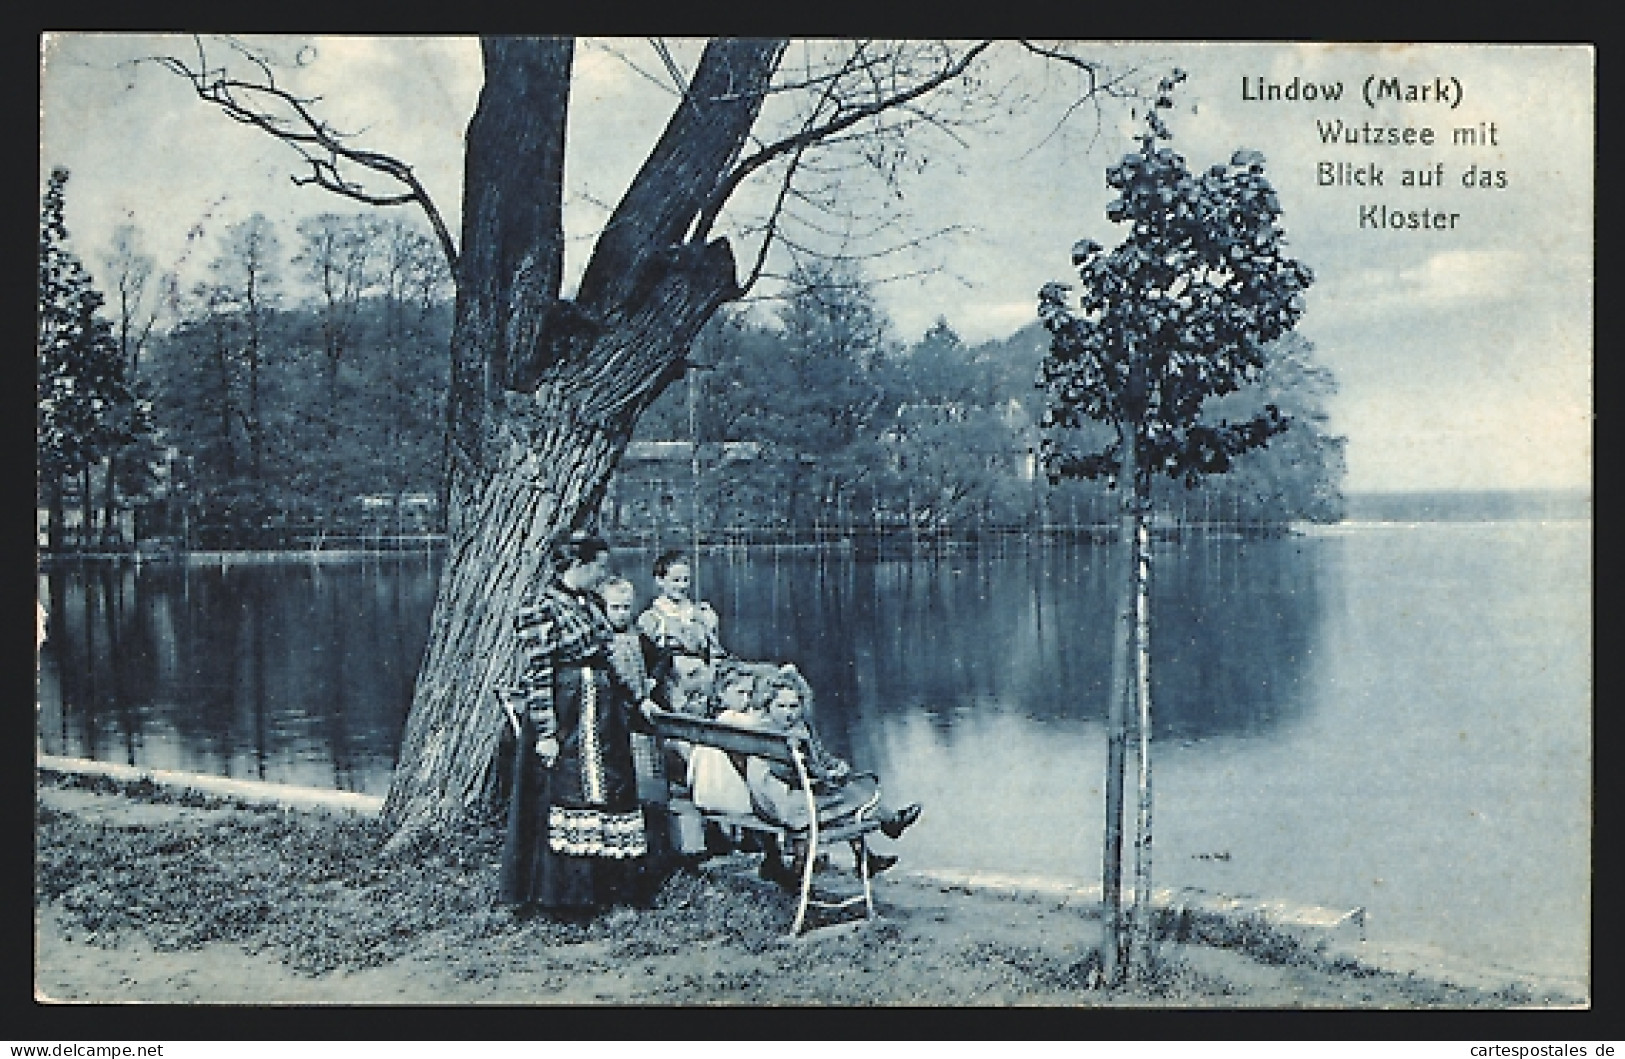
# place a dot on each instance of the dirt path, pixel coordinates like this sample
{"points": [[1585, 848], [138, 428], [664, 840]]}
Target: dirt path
{"points": [[152, 901]]}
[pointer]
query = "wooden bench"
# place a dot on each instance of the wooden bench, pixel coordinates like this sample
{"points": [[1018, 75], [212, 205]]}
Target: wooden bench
{"points": [[792, 751]]}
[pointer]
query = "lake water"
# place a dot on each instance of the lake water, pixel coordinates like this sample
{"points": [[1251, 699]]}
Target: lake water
{"points": [[1393, 716]]}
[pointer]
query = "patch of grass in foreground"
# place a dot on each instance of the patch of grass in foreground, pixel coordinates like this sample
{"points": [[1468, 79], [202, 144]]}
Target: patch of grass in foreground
{"points": [[312, 890]]}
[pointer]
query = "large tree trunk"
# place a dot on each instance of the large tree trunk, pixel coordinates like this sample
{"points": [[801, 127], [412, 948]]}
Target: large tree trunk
{"points": [[545, 391]]}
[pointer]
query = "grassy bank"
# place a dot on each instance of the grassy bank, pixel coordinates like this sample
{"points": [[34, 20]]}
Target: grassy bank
{"points": [[143, 896]]}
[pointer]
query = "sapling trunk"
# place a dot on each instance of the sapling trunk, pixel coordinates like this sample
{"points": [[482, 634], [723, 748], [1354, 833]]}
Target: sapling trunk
{"points": [[1119, 707], [1141, 958]]}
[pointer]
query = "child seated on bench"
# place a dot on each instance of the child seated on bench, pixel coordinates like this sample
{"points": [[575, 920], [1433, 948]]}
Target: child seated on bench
{"points": [[716, 777], [783, 703]]}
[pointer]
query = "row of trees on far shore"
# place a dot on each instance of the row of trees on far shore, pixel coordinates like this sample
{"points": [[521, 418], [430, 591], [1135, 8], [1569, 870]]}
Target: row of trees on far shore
{"points": [[853, 429], [300, 389], [304, 372]]}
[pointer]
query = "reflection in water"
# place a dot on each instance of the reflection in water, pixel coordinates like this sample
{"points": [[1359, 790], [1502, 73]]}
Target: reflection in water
{"points": [[291, 672], [1030, 631], [259, 669], [271, 670], [1395, 718], [977, 682]]}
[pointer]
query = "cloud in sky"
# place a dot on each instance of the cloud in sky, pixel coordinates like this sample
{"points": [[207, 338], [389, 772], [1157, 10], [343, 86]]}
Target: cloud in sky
{"points": [[1490, 322], [1450, 281], [1452, 276], [1476, 438]]}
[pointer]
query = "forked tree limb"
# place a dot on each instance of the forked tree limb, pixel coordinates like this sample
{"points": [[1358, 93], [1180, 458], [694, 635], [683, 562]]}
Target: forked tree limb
{"points": [[324, 148]]}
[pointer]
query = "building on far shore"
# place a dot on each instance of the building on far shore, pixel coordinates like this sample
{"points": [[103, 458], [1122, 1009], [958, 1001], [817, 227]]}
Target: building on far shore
{"points": [[653, 486]]}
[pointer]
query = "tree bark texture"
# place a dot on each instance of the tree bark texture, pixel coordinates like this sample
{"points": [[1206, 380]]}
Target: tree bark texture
{"points": [[546, 390], [1143, 934]]}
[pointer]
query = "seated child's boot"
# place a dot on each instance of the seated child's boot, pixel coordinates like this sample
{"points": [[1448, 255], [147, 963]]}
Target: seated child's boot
{"points": [[773, 868], [775, 871], [900, 821], [876, 862]]}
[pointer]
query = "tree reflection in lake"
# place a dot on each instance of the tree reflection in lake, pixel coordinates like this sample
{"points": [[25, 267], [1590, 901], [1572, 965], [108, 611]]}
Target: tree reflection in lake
{"points": [[301, 672], [1030, 631], [293, 671]]}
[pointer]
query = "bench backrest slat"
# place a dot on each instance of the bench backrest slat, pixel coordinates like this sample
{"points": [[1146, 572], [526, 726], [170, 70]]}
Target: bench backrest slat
{"points": [[770, 745]]}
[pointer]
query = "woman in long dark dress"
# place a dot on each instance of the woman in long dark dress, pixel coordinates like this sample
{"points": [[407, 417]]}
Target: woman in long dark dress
{"points": [[575, 829]]}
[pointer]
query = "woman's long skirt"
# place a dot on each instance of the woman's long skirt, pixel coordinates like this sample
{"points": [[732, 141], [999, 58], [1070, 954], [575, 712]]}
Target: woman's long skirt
{"points": [[576, 834]]}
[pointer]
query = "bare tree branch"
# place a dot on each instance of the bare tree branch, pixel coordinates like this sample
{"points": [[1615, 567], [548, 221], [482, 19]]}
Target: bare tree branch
{"points": [[322, 146], [786, 184], [672, 69], [1089, 67], [813, 134], [770, 229], [821, 80], [703, 138], [1110, 86], [810, 252], [919, 116], [627, 61]]}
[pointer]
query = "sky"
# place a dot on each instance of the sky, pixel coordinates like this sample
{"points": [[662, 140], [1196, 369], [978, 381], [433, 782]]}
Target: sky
{"points": [[1463, 353]]}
